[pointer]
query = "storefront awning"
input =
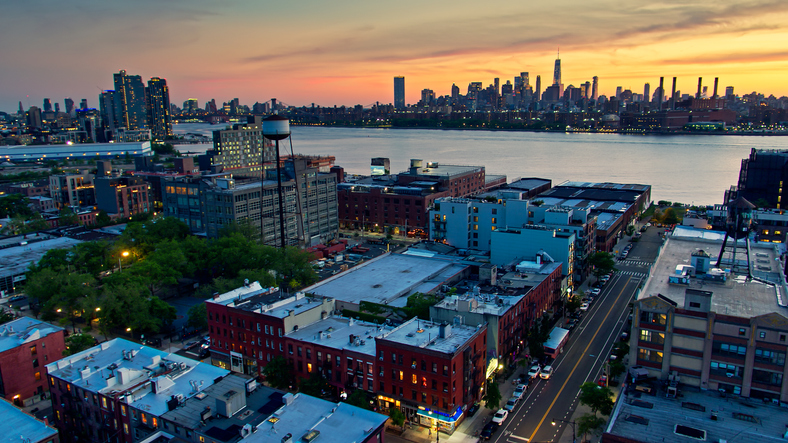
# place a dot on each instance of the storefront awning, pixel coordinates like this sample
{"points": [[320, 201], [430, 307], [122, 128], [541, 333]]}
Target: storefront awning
{"points": [[440, 416]]}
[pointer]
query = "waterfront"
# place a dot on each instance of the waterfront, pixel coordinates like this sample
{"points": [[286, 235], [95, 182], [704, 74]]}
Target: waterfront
{"points": [[693, 169]]}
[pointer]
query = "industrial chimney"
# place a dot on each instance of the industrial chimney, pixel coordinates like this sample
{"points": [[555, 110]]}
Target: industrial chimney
{"points": [[673, 95], [700, 83], [716, 80], [661, 91]]}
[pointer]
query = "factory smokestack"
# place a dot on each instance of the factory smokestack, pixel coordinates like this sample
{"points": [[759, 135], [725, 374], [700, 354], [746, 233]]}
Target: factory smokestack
{"points": [[700, 83], [673, 95], [716, 80], [661, 91]]}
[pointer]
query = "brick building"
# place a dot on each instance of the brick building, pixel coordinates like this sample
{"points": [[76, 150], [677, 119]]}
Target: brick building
{"points": [[27, 345], [123, 197]]}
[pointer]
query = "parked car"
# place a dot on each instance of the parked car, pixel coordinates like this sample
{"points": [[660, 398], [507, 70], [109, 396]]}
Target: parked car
{"points": [[534, 371], [595, 291], [602, 381], [500, 416], [489, 430], [473, 409], [546, 373], [17, 298], [571, 324], [511, 403], [584, 307], [520, 390]]}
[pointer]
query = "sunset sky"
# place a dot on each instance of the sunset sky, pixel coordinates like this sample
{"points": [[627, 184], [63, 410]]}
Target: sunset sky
{"points": [[347, 52]]}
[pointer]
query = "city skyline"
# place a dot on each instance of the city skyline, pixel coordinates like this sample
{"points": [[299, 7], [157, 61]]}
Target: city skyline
{"points": [[346, 54]]}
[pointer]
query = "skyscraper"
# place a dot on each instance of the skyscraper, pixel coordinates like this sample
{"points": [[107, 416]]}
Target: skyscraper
{"points": [[557, 71], [47, 105], [618, 92], [83, 104], [595, 88], [526, 81], [109, 106], [538, 92], [69, 106], [646, 92], [131, 94], [399, 92], [159, 108]]}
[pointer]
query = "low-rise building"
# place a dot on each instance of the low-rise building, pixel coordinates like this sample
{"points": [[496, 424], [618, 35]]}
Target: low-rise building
{"points": [[27, 345], [18, 425], [123, 197], [17, 253]]}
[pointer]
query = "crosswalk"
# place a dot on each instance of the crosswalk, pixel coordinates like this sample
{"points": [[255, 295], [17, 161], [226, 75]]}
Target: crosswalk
{"points": [[636, 263], [632, 273]]}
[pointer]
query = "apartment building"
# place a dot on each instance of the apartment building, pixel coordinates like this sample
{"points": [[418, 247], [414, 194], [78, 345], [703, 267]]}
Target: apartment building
{"points": [[27, 345]]}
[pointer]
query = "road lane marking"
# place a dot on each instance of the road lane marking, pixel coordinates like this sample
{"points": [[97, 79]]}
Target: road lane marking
{"points": [[539, 425]]}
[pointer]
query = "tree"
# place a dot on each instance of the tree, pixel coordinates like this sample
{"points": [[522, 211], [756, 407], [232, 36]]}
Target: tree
{"points": [[15, 204], [102, 218], [598, 398], [5, 317], [418, 305], [492, 398], [573, 303], [76, 343], [396, 416], [358, 398], [538, 335], [589, 424], [162, 311], [670, 217], [197, 317], [68, 217], [316, 385], [602, 263], [278, 373]]}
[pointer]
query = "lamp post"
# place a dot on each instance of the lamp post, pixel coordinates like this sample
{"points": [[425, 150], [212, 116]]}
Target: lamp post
{"points": [[571, 422], [122, 254], [275, 128]]}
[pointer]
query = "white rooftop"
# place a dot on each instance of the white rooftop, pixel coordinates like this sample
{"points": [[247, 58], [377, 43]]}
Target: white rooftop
{"points": [[333, 422], [427, 335], [16, 259], [24, 330], [123, 368], [335, 333], [18, 426]]}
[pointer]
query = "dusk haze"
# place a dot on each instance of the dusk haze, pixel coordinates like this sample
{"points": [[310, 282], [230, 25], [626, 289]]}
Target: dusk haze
{"points": [[347, 53]]}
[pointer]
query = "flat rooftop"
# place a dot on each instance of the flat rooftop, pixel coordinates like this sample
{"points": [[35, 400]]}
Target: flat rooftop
{"points": [[526, 184], [738, 296], [446, 170], [426, 335], [335, 333], [16, 257], [653, 419], [490, 304], [333, 422], [387, 279], [19, 426], [24, 330], [122, 366]]}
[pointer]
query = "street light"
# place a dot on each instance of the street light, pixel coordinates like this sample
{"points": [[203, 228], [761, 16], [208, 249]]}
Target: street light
{"points": [[571, 422], [275, 128], [122, 254]]}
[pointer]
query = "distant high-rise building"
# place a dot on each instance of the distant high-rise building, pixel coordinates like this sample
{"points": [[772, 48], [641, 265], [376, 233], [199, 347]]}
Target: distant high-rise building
{"points": [[47, 105], [525, 80], [618, 92], [587, 90], [595, 88], [34, 117], [427, 96], [538, 92], [729, 91], [109, 107], [69, 105], [21, 109], [455, 92], [130, 91], [646, 91], [557, 72], [190, 106], [159, 119], [57, 107], [210, 107], [399, 92], [83, 104]]}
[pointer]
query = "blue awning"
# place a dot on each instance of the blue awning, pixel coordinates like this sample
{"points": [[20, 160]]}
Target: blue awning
{"points": [[442, 416]]}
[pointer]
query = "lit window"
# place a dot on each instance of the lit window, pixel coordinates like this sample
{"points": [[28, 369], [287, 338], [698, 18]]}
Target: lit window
{"points": [[309, 367], [414, 379], [38, 376]]}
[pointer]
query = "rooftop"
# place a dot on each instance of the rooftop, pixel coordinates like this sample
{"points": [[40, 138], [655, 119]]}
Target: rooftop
{"points": [[336, 333], [490, 304], [123, 368], [19, 426], [441, 170], [447, 339], [387, 279], [738, 296], [333, 422], [652, 419], [24, 330], [19, 252], [202, 412]]}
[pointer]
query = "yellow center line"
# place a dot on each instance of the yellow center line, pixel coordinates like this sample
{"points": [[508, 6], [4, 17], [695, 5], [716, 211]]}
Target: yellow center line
{"points": [[577, 364]]}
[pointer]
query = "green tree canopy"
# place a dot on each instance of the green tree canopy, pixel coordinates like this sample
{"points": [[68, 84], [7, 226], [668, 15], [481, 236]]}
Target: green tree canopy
{"points": [[197, 317], [76, 343], [589, 424], [15, 205], [602, 262], [68, 217], [492, 398], [396, 415], [669, 217], [278, 373], [358, 398], [598, 398], [315, 385]]}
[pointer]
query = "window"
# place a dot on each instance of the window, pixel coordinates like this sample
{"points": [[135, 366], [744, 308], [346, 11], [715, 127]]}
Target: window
{"points": [[654, 318], [125, 427], [38, 376], [762, 334], [290, 348], [769, 356], [123, 410], [782, 338], [33, 350], [309, 367], [435, 367], [694, 304], [308, 353], [726, 369], [414, 379], [35, 362], [402, 376], [767, 377], [728, 349], [649, 355], [299, 351], [742, 332], [104, 402], [652, 337]]}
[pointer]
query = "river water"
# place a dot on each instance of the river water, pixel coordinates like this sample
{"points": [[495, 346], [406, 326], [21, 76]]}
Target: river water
{"points": [[694, 169]]}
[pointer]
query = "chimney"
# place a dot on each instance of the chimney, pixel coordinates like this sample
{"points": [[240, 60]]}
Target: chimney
{"points": [[716, 82], [700, 84], [673, 95], [661, 91]]}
